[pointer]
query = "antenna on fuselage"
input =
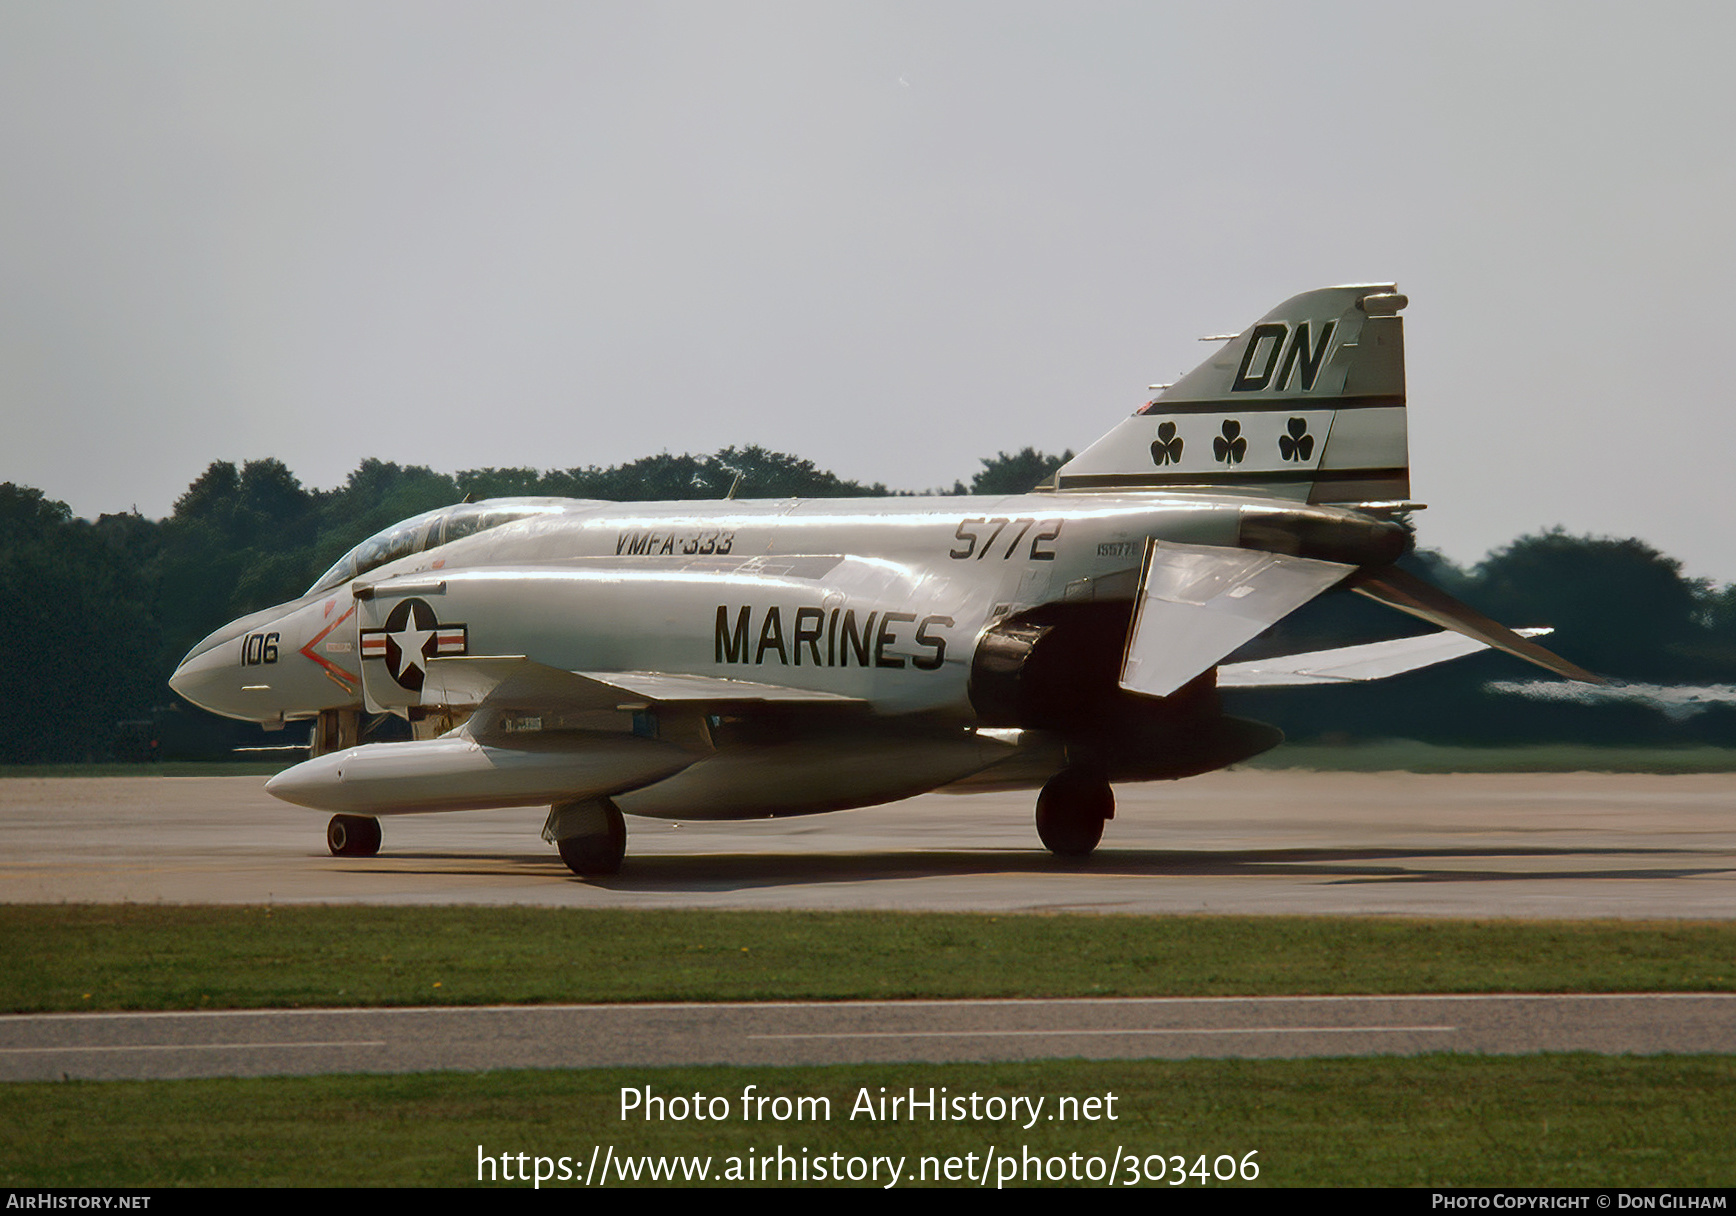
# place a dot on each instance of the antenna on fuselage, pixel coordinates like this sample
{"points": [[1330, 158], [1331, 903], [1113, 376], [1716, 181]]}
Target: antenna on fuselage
{"points": [[733, 487]]}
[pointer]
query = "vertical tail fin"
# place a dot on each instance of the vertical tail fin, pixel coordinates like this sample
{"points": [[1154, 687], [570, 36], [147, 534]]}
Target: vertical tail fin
{"points": [[1307, 403]]}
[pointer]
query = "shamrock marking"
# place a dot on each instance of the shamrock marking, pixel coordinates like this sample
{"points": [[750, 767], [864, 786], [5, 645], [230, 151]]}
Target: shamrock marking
{"points": [[1230, 448], [1298, 444], [1166, 449]]}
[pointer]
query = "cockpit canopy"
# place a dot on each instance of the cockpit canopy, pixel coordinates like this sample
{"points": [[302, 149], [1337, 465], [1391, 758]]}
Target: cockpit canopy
{"points": [[431, 529]]}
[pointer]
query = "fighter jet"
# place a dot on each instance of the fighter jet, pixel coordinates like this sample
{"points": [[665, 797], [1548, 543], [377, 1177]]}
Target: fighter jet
{"points": [[737, 659]]}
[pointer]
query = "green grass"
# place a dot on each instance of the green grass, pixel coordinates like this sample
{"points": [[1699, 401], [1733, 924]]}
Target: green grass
{"points": [[73, 957], [1408, 755], [1561, 1120], [1566, 1120]]}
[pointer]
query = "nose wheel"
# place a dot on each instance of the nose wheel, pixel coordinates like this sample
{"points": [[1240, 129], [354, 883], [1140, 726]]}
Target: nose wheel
{"points": [[1071, 812], [353, 836]]}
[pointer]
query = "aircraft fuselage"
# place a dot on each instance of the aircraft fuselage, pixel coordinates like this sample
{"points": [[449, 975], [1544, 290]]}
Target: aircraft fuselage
{"points": [[880, 599]]}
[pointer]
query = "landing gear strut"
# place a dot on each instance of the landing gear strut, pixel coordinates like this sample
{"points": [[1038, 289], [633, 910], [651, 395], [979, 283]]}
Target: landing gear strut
{"points": [[353, 836], [591, 835], [1071, 812]]}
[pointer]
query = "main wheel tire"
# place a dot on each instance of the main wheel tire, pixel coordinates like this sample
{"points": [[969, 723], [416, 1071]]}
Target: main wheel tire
{"points": [[1071, 812], [353, 836], [597, 852]]}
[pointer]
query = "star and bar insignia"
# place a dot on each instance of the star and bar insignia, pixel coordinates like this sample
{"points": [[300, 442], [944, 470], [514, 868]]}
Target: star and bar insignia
{"points": [[412, 635]]}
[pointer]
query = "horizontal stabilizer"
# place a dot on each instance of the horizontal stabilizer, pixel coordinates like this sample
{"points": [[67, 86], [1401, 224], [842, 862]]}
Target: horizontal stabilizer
{"points": [[1197, 603], [1399, 589], [1348, 664]]}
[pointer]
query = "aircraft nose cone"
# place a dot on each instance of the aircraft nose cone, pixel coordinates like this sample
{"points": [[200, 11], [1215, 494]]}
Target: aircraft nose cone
{"points": [[232, 671], [184, 683], [262, 668], [211, 676]]}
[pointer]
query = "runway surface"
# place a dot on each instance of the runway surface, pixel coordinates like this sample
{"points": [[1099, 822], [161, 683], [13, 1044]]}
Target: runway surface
{"points": [[1526, 845], [305, 1042], [1488, 845]]}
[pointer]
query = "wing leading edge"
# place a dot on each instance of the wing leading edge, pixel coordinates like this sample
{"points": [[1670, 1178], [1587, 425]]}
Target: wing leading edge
{"points": [[517, 682]]}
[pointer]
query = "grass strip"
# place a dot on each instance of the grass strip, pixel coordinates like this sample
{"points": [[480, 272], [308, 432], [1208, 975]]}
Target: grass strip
{"points": [[1411, 756], [1559, 1121], [84, 957]]}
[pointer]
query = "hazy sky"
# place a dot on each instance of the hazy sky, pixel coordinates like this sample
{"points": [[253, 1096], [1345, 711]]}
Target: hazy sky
{"points": [[891, 238]]}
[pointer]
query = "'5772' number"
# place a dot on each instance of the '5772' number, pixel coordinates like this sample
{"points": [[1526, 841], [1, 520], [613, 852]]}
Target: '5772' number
{"points": [[978, 536]]}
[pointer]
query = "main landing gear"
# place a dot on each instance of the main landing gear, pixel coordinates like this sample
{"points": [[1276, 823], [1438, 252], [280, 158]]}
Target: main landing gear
{"points": [[591, 835], [1072, 810], [353, 836]]}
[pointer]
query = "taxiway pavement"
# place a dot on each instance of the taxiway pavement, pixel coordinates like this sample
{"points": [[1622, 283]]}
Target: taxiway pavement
{"points": [[1481, 845], [52, 1047]]}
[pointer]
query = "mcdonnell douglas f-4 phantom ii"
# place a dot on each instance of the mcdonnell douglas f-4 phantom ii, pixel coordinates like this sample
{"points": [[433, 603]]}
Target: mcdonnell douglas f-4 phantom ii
{"points": [[739, 659]]}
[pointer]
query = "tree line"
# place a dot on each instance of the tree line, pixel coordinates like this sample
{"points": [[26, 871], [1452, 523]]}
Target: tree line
{"points": [[98, 613]]}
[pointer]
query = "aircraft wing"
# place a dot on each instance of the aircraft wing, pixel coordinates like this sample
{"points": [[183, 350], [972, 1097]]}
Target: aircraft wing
{"points": [[1347, 664], [516, 682], [667, 689]]}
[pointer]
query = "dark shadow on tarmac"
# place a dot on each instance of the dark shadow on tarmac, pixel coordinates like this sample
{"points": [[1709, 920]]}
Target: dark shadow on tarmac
{"points": [[724, 872]]}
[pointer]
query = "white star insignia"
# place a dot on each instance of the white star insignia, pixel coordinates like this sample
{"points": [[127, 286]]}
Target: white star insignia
{"points": [[411, 642]]}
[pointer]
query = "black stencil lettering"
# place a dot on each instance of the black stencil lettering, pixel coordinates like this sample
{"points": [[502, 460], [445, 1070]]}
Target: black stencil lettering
{"points": [[1273, 332], [771, 637], [1000, 526], [810, 622], [938, 644], [731, 647], [854, 641], [886, 638], [1311, 362], [1049, 529], [968, 537]]}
